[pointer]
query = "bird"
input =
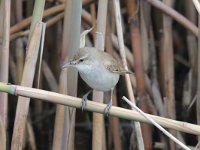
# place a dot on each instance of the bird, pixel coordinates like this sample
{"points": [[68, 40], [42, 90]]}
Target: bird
{"points": [[99, 69]]}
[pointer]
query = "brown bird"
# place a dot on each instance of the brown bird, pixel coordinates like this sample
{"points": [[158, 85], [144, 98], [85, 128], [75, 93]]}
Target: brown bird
{"points": [[98, 69]]}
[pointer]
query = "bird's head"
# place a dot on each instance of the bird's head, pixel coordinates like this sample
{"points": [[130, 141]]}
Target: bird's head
{"points": [[82, 57]]}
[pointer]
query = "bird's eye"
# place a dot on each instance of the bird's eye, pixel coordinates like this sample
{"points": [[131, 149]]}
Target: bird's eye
{"points": [[81, 60]]}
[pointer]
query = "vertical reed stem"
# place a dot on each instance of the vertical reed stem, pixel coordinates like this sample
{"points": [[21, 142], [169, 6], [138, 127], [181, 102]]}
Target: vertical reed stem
{"points": [[4, 65]]}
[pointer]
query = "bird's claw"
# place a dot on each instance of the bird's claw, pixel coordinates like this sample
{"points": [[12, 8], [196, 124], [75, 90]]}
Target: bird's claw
{"points": [[107, 109], [84, 100]]}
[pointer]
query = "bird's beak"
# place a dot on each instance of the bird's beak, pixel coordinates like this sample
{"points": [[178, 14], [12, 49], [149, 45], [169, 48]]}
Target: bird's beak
{"points": [[71, 63], [66, 65]]}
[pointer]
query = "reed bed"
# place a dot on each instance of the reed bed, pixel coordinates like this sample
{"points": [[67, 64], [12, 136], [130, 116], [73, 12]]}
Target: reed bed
{"points": [[158, 40]]}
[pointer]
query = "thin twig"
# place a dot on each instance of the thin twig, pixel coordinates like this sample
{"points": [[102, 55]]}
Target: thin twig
{"points": [[41, 53], [197, 5], [156, 124]]}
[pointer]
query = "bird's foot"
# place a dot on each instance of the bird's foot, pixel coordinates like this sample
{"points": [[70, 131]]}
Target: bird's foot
{"points": [[84, 100], [107, 109]]}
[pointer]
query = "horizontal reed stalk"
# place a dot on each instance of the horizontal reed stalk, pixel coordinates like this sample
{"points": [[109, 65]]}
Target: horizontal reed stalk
{"points": [[96, 107]]}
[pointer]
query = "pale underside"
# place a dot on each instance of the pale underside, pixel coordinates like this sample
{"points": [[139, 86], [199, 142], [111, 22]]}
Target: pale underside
{"points": [[98, 77]]}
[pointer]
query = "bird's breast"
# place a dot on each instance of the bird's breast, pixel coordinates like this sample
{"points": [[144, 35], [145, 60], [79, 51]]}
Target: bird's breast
{"points": [[98, 77]]}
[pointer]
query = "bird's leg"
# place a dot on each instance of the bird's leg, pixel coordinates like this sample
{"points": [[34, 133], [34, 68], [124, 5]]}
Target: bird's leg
{"points": [[109, 105], [84, 100]]}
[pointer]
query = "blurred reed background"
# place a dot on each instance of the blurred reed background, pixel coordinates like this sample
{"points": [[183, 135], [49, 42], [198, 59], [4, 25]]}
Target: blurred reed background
{"points": [[161, 43]]}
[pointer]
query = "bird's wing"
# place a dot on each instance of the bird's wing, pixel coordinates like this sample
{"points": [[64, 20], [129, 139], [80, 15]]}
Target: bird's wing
{"points": [[116, 69], [114, 66]]}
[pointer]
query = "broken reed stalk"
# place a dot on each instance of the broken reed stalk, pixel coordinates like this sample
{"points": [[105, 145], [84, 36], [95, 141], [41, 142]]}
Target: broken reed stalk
{"points": [[98, 131], [96, 107], [4, 66], [28, 75], [140, 142]]}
